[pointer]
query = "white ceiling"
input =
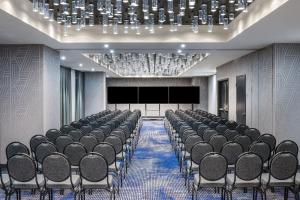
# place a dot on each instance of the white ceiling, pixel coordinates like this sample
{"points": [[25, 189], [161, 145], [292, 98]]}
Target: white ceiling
{"points": [[267, 22]]}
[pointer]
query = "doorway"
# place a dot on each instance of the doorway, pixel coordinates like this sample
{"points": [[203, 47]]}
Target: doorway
{"points": [[223, 105], [241, 99]]}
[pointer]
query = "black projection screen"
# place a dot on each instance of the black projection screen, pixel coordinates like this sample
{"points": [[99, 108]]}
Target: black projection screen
{"points": [[153, 95], [122, 95], [184, 95]]}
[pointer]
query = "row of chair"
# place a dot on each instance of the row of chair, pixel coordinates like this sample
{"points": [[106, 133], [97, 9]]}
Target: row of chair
{"points": [[60, 160], [191, 147]]}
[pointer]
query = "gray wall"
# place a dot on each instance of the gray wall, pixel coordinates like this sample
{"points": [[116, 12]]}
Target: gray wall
{"points": [[95, 92], [29, 93]]}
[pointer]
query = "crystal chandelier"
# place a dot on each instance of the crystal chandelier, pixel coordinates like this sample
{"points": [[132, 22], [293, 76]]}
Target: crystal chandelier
{"points": [[126, 16], [147, 64]]}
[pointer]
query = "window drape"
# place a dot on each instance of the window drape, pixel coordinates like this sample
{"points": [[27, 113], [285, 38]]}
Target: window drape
{"points": [[79, 95], [65, 96]]}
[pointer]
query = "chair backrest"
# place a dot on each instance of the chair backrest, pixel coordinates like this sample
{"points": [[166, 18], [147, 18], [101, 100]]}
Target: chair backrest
{"points": [[208, 133], [62, 141], [283, 165], [36, 140], [244, 141], [230, 134], [213, 124], [289, 146], [21, 168], [107, 150], [76, 124], [186, 134], [217, 141], [262, 149], [65, 129], [190, 141], [231, 151], [75, 151], [249, 166], [76, 134], [52, 134], [89, 142], [199, 150], [231, 124], [93, 167], [241, 128], [99, 134], [116, 142], [44, 149], [201, 130], [213, 166], [16, 148], [221, 128], [56, 167], [120, 134], [269, 139], [86, 129], [252, 133]]}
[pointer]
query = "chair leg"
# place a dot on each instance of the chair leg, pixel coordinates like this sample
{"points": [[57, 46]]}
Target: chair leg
{"points": [[286, 193]]}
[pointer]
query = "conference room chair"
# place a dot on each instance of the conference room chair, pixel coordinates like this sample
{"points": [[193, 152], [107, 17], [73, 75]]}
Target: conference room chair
{"points": [[241, 128], [85, 129], [57, 174], [89, 142], [231, 151], [62, 141], [231, 124], [52, 134], [94, 174], [75, 152], [244, 141], [247, 174], [76, 134], [65, 129], [288, 146], [99, 134], [269, 139], [230, 134], [211, 174], [4, 183], [263, 150], [35, 141], [213, 124], [43, 150], [14, 148], [282, 173], [252, 133], [208, 133], [76, 124], [23, 175], [217, 141], [116, 142], [221, 128]]}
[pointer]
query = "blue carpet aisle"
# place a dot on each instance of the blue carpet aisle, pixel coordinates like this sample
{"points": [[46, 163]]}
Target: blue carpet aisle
{"points": [[154, 174]]}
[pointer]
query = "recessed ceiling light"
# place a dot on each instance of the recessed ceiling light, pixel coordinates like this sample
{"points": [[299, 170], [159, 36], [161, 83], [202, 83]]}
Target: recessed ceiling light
{"points": [[80, 65], [179, 51], [63, 57], [182, 45], [93, 69], [112, 51], [106, 45]]}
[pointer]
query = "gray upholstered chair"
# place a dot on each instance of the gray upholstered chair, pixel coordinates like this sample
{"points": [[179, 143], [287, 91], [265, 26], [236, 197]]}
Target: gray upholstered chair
{"points": [[62, 141], [75, 134], [212, 173], [188, 145], [52, 134], [289, 146], [86, 129], [58, 175], [99, 134], [65, 129], [89, 142], [23, 174], [35, 141], [94, 174], [247, 173], [4, 184], [42, 150], [221, 128], [231, 151], [241, 128], [252, 133], [208, 133], [75, 152], [244, 141], [217, 141], [263, 150], [269, 139], [230, 134], [16, 148], [201, 130], [282, 173]]}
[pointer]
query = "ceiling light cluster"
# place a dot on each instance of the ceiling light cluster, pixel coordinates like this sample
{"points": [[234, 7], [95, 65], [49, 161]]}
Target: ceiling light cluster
{"points": [[147, 64], [124, 16]]}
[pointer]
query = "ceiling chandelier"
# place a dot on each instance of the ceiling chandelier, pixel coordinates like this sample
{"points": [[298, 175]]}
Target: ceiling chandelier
{"points": [[124, 16], [147, 64]]}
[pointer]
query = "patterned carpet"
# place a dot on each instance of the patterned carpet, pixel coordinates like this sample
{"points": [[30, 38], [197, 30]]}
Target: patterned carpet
{"points": [[154, 174]]}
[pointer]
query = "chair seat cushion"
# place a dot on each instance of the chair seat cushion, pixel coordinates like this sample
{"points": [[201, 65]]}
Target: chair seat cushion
{"points": [[241, 183], [66, 184], [115, 167], [191, 166], [32, 184], [206, 183], [5, 179], [186, 154], [297, 179], [275, 182], [120, 156], [105, 183]]}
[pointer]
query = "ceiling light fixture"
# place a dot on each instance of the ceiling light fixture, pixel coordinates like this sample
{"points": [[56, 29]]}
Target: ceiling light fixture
{"points": [[63, 57], [120, 14], [80, 65], [93, 69], [112, 51], [182, 45], [106, 46], [179, 51]]}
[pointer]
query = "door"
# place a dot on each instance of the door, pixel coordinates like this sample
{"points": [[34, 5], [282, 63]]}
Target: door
{"points": [[223, 90], [241, 99]]}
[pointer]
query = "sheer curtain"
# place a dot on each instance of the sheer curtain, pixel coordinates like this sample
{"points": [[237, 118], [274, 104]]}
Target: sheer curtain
{"points": [[79, 94], [65, 95]]}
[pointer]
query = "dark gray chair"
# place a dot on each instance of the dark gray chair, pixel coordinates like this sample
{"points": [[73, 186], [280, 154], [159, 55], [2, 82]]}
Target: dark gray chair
{"points": [[58, 175], [89, 142], [252, 133], [201, 130], [36, 140], [231, 124], [244, 141], [282, 173], [86, 129], [247, 173], [42, 150], [65, 129], [230, 134], [263, 150], [52, 134], [75, 152], [22, 174], [16, 148], [212, 173], [269, 139], [116, 142], [94, 174], [99, 134], [289, 146], [62, 141], [241, 128], [231, 151], [75, 134], [217, 141], [4, 184], [208, 133], [221, 128]]}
